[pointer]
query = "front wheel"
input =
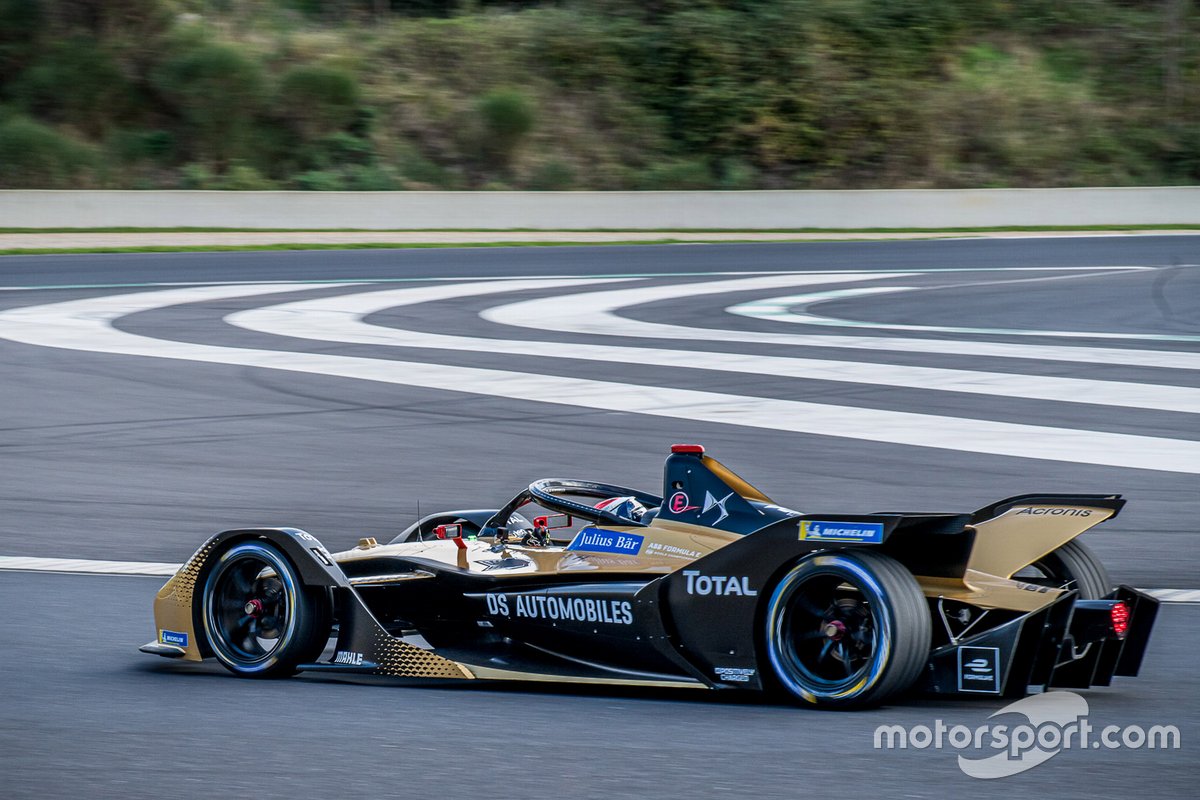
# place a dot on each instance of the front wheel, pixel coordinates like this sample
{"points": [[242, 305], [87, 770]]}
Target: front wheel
{"points": [[847, 629], [259, 618]]}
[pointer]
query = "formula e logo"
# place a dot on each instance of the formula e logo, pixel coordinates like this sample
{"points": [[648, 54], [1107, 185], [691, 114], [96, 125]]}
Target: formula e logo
{"points": [[348, 658], [1057, 512], [979, 669], [717, 584], [711, 502], [680, 503]]}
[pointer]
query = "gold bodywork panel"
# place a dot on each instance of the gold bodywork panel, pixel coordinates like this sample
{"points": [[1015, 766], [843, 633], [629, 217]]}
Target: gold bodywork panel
{"points": [[1007, 544], [989, 591], [173, 604], [1025, 533], [734, 481], [666, 547]]}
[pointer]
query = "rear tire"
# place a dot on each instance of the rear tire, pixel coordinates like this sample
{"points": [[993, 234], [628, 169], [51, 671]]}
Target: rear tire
{"points": [[847, 629], [259, 618], [1072, 566]]}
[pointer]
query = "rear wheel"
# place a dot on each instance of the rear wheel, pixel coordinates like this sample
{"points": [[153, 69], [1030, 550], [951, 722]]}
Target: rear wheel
{"points": [[847, 629], [1072, 566], [259, 618]]}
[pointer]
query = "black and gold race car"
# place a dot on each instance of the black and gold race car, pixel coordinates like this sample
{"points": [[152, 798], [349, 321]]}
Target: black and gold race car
{"points": [[711, 585]]}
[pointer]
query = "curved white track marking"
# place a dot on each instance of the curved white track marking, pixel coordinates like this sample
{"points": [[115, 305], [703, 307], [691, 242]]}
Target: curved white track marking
{"points": [[794, 308], [86, 325], [339, 319], [595, 313]]}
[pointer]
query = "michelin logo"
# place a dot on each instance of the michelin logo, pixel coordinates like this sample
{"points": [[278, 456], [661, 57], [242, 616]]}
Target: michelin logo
{"points": [[812, 530], [175, 638]]}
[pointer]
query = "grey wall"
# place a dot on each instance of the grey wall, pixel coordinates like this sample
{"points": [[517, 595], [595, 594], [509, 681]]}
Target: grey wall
{"points": [[925, 208]]}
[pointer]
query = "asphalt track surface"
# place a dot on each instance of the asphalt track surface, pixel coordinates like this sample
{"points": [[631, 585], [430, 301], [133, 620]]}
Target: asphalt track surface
{"points": [[112, 455]]}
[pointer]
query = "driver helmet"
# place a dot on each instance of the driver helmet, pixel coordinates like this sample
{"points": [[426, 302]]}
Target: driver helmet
{"points": [[624, 507]]}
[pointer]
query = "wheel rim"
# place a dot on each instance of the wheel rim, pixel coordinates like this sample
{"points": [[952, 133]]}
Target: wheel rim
{"points": [[250, 609], [829, 639], [1046, 573]]}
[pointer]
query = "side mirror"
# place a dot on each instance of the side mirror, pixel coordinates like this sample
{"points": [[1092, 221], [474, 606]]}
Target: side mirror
{"points": [[453, 532], [448, 531]]}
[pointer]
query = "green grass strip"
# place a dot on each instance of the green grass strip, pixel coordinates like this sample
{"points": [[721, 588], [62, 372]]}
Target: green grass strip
{"points": [[998, 229]]}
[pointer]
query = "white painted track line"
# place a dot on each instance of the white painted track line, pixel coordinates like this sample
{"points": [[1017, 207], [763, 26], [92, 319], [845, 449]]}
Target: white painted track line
{"points": [[594, 313], [794, 309], [88, 567], [80, 566], [339, 319], [86, 325]]}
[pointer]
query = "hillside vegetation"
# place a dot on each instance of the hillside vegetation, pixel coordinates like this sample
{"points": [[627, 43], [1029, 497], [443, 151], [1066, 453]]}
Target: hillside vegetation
{"points": [[608, 94]]}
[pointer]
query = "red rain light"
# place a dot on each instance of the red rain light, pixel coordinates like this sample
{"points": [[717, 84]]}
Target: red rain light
{"points": [[1120, 619], [688, 448]]}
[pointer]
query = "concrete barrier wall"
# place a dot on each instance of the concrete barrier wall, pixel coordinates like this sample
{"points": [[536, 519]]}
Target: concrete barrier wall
{"points": [[900, 208]]}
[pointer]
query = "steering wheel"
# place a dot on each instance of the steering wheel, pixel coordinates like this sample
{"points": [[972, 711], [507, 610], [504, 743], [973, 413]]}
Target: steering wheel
{"points": [[547, 490]]}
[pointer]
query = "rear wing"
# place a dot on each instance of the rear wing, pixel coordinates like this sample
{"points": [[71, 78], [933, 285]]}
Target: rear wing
{"points": [[1017, 531]]}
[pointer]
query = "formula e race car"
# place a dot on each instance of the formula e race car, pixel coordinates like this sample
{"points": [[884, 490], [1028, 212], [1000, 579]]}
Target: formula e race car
{"points": [[711, 585]]}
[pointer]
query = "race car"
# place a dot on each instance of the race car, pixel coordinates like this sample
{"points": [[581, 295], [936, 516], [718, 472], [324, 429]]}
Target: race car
{"points": [[708, 585]]}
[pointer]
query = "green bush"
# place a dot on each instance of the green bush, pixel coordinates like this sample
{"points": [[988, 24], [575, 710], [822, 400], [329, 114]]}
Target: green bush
{"points": [[76, 82], [35, 156], [197, 176], [552, 176], [217, 89], [427, 174], [676, 176], [354, 178], [320, 181], [507, 116], [369, 178], [319, 100], [131, 146], [244, 178]]}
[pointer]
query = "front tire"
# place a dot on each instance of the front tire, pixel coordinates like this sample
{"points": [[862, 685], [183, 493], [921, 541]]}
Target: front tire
{"points": [[258, 616], [847, 629]]}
